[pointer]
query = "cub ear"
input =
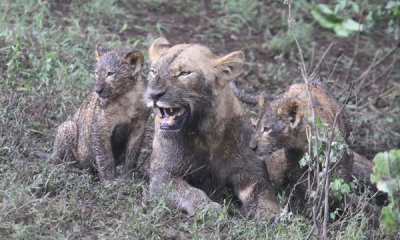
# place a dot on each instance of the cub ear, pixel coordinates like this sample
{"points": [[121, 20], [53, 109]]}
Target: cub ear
{"points": [[293, 111], [254, 122], [229, 66], [100, 51], [159, 46], [135, 58]]}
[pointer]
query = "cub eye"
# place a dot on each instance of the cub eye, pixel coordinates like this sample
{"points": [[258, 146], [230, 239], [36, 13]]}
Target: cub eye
{"points": [[267, 129], [152, 71], [184, 73], [109, 74]]}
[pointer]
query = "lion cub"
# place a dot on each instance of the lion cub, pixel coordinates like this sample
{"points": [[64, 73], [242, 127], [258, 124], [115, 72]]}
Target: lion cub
{"points": [[283, 121], [108, 127]]}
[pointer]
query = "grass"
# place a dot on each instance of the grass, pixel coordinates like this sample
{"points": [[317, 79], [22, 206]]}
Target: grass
{"points": [[46, 59]]}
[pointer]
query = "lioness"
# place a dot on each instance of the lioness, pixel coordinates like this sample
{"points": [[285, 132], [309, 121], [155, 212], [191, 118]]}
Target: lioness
{"points": [[200, 145], [109, 125], [282, 125]]}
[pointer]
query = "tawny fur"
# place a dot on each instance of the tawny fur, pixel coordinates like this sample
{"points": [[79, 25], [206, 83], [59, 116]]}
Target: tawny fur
{"points": [[283, 123], [282, 126], [108, 127], [208, 155]]}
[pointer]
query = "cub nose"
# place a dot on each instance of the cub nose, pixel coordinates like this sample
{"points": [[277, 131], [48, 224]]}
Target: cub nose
{"points": [[253, 145], [156, 94], [99, 87], [99, 90]]}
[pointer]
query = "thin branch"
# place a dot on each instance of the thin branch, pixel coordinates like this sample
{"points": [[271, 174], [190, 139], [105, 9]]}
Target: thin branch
{"points": [[347, 76], [326, 170], [312, 55], [320, 61], [334, 66]]}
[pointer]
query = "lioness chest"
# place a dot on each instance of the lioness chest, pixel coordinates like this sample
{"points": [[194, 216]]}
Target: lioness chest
{"points": [[206, 160]]}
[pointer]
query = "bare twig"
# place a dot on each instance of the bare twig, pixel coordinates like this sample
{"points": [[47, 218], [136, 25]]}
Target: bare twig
{"points": [[376, 63], [327, 170], [311, 63], [360, 17], [312, 75], [334, 67], [347, 76], [300, 181]]}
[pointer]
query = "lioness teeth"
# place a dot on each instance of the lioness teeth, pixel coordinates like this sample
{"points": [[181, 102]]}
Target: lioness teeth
{"points": [[160, 112]]}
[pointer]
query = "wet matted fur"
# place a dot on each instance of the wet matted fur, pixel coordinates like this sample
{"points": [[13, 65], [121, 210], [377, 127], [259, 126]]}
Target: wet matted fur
{"points": [[108, 127], [282, 125], [200, 146]]}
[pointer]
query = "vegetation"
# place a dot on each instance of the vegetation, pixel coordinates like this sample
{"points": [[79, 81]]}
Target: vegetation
{"points": [[46, 59], [387, 177]]}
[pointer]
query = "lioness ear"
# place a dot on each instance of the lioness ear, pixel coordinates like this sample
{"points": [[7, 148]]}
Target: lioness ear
{"points": [[293, 111], [135, 58], [159, 46], [100, 51], [229, 66]]}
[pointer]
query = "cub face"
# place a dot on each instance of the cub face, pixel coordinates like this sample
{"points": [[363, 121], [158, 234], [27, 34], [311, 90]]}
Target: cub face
{"points": [[280, 125], [184, 82], [116, 72]]}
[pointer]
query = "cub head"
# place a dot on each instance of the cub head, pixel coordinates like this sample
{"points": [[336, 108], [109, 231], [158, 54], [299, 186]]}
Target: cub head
{"points": [[185, 80], [279, 126], [117, 72]]}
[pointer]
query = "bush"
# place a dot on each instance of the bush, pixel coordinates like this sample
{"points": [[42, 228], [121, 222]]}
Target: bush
{"points": [[386, 175]]}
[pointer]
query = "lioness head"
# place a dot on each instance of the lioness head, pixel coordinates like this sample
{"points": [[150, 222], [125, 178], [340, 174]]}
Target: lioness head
{"points": [[184, 82], [279, 126], [116, 71]]}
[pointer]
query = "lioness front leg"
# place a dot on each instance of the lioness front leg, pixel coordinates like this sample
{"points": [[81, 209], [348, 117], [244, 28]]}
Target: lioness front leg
{"points": [[64, 142], [180, 193], [256, 195]]}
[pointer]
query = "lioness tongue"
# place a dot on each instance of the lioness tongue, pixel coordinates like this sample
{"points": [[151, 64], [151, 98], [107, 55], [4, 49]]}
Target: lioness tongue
{"points": [[169, 120]]}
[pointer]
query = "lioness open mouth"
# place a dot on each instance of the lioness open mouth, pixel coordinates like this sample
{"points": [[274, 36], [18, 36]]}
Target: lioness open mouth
{"points": [[172, 118]]}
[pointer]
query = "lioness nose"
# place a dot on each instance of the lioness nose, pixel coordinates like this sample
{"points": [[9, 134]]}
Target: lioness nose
{"points": [[156, 94]]}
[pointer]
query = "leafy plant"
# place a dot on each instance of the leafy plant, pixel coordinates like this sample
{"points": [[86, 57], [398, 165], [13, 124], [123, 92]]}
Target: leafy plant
{"points": [[326, 148], [385, 17], [284, 40], [386, 175], [331, 17]]}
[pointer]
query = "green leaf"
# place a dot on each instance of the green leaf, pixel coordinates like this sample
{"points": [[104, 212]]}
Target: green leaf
{"points": [[386, 174], [332, 215], [345, 188], [382, 186], [322, 20], [351, 25], [324, 9], [341, 31], [388, 219], [340, 6], [318, 122], [355, 8]]}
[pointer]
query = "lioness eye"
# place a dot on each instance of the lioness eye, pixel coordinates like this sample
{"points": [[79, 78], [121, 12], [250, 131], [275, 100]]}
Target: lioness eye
{"points": [[184, 73], [266, 129], [110, 74]]}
